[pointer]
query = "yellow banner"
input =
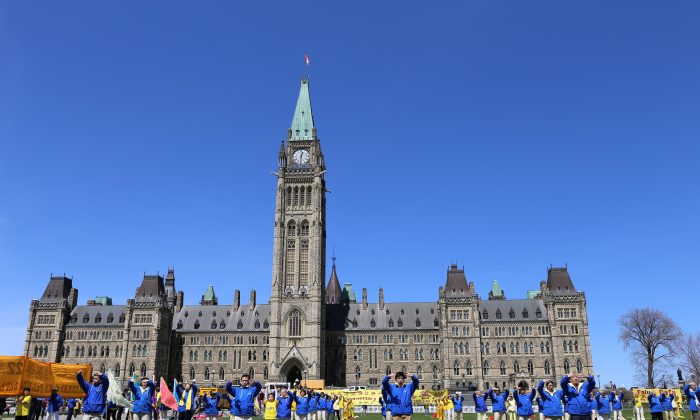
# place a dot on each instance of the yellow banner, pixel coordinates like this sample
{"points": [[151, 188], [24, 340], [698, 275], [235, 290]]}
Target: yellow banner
{"points": [[11, 370], [37, 376], [64, 378], [371, 396], [644, 392]]}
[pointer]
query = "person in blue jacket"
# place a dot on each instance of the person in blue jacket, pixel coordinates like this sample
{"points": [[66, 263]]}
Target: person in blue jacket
{"points": [[458, 401], [143, 398], [284, 404], [668, 404], [523, 400], [690, 390], [302, 412], [313, 406], [186, 397], [329, 407], [382, 403], [616, 399], [603, 404], [399, 395], [70, 408], [479, 405], [656, 405], [95, 400], [243, 397], [498, 402], [551, 400], [53, 404], [578, 396], [211, 405], [540, 407]]}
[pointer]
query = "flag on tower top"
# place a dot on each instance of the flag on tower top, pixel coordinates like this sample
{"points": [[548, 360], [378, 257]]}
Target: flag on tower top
{"points": [[306, 59]]}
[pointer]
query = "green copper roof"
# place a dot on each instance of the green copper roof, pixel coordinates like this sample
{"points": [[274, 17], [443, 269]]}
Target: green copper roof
{"points": [[303, 121], [348, 294], [496, 288], [209, 297]]}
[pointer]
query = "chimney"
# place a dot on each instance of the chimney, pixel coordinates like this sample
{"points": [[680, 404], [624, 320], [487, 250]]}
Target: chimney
{"points": [[471, 287], [251, 303], [236, 299], [91, 302], [73, 298], [381, 298], [180, 300], [364, 298]]}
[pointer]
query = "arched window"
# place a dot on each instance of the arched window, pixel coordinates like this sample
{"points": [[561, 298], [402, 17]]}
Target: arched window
{"points": [[486, 368], [308, 196], [502, 368], [295, 324], [542, 347], [567, 366], [221, 374], [511, 313], [302, 193], [192, 373], [266, 373], [206, 374], [530, 367], [388, 370], [455, 369], [420, 372], [143, 370], [516, 367], [305, 228], [122, 318], [213, 324], [289, 196], [291, 228], [117, 370], [547, 368], [251, 372], [132, 370], [468, 367], [110, 318], [358, 373], [86, 318], [98, 318], [296, 196], [579, 366]]}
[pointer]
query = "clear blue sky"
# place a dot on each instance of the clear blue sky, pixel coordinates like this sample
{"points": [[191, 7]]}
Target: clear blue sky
{"points": [[503, 135]]}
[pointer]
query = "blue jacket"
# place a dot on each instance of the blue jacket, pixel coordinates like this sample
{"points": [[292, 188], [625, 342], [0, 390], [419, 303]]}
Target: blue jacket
{"points": [[655, 403], [458, 402], [693, 405], [243, 403], [579, 400], [142, 398], [383, 403], [192, 393], [551, 401], [284, 406], [303, 405], [540, 407], [54, 403], [313, 403], [211, 405], [95, 400], [479, 403], [71, 403], [524, 402], [667, 402], [399, 397], [602, 404], [329, 404], [617, 400], [498, 401]]}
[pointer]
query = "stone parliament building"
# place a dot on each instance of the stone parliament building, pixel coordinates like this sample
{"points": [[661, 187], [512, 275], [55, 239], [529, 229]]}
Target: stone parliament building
{"points": [[311, 329]]}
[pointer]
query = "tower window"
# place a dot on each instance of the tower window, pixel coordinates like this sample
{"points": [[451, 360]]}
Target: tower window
{"points": [[308, 196], [302, 193], [291, 257], [291, 228], [295, 324], [304, 263], [305, 228], [296, 196], [289, 196]]}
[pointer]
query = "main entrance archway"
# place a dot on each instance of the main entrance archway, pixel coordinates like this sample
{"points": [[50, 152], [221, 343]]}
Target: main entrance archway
{"points": [[292, 370], [294, 374]]}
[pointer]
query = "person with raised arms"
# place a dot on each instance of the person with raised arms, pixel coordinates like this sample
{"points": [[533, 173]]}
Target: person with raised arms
{"points": [[187, 400], [551, 400], [616, 399], [302, 401], [143, 397], [95, 401], [656, 405], [243, 397], [211, 405], [668, 404], [523, 400], [479, 405], [53, 404], [458, 402], [498, 402], [603, 404], [399, 396], [578, 396]]}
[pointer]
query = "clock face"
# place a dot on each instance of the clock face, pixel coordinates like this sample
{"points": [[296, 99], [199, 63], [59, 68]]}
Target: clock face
{"points": [[301, 157]]}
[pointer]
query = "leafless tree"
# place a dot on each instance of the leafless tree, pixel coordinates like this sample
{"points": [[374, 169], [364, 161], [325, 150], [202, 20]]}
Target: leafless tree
{"points": [[651, 336], [688, 349]]}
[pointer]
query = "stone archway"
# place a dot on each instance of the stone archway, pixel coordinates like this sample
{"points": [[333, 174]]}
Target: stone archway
{"points": [[294, 374], [292, 371]]}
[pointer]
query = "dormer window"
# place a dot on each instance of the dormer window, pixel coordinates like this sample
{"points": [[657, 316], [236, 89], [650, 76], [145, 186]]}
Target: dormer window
{"points": [[179, 324], [511, 314], [485, 315]]}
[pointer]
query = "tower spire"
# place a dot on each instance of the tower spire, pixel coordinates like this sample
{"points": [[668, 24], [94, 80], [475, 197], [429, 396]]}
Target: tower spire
{"points": [[303, 121]]}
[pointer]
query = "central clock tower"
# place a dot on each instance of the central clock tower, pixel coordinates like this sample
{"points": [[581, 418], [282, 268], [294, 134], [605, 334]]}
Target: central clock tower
{"points": [[297, 302]]}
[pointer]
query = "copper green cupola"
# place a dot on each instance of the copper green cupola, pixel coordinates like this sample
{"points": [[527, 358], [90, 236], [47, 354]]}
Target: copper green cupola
{"points": [[303, 120]]}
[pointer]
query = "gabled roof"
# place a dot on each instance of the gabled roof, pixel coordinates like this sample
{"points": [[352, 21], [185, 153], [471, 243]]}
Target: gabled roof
{"points": [[515, 306], [303, 120], [198, 318], [559, 281], [58, 289], [456, 285], [352, 317]]}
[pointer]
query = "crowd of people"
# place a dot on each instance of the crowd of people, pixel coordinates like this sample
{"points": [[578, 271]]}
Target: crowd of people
{"points": [[573, 399]]}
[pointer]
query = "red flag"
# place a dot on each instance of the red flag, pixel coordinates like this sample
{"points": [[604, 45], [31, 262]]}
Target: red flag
{"points": [[306, 59], [166, 397]]}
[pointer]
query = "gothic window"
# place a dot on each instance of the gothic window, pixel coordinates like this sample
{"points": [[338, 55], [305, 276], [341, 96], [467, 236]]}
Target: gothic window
{"points": [[196, 325], [391, 323], [179, 324], [486, 368], [266, 373], [302, 193], [417, 323], [251, 372], [122, 318], [206, 374], [296, 196], [372, 323], [456, 351], [86, 318], [291, 229], [239, 325], [117, 370], [289, 196], [538, 314], [526, 314], [98, 318], [195, 355], [576, 346], [455, 369], [213, 324], [222, 325], [542, 347], [399, 323], [420, 372], [547, 368], [132, 369], [579, 366], [485, 315], [530, 367], [192, 373], [567, 366], [304, 260], [291, 257], [498, 314], [257, 324], [308, 196], [511, 314], [468, 368], [516, 367], [295, 324], [502, 368]]}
